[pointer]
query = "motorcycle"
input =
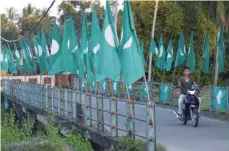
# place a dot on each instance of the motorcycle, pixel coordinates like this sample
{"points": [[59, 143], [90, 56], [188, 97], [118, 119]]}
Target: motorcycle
{"points": [[190, 108]]}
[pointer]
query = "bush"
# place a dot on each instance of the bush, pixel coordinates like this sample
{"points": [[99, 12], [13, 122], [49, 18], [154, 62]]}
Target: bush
{"points": [[125, 144]]}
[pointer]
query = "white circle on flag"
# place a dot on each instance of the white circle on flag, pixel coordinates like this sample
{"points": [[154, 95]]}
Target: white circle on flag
{"points": [[96, 48], [54, 47], [68, 43], [39, 50], [161, 52], [109, 36], [1, 57], [17, 54], [128, 43]]}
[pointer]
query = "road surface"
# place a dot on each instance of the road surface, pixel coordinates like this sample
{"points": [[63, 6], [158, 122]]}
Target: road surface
{"points": [[210, 135]]}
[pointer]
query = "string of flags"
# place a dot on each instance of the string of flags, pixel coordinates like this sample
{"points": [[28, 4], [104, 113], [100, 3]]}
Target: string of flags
{"points": [[100, 55]]}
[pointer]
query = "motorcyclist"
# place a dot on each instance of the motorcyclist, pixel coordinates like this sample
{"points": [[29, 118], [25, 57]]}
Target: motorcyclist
{"points": [[185, 83]]}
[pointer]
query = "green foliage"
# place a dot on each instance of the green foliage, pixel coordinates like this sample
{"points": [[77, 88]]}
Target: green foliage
{"points": [[125, 144], [20, 136]]}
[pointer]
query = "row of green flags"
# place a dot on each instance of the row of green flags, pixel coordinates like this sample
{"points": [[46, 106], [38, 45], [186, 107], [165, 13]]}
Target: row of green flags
{"points": [[97, 56], [164, 59], [100, 54]]}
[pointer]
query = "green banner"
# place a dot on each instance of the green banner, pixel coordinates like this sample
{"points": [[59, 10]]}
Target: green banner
{"points": [[115, 87], [143, 92], [220, 98], [165, 93]]}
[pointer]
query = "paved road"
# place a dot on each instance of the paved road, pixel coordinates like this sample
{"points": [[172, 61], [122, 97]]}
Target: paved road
{"points": [[211, 135]]}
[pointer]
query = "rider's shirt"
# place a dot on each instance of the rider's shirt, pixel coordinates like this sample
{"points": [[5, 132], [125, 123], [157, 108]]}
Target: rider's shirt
{"points": [[186, 85]]}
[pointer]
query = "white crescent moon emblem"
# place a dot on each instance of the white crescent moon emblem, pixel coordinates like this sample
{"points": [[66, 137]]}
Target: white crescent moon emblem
{"points": [[85, 50], [75, 49], [128, 43], [169, 56], [218, 97], [165, 89], [156, 50], [109, 36], [54, 47], [181, 53], [161, 51], [96, 48], [39, 50], [17, 54], [1, 57], [68, 43], [114, 86]]}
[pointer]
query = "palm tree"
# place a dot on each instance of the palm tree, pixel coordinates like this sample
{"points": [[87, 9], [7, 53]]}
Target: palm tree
{"points": [[11, 14]]}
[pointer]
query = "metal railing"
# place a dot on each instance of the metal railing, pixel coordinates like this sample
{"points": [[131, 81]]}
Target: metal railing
{"points": [[103, 110]]}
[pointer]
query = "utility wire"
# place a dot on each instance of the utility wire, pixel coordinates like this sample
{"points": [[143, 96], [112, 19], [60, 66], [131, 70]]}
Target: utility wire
{"points": [[10, 41]]}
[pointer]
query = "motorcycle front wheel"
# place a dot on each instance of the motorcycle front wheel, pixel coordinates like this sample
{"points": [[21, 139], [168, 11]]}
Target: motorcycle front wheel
{"points": [[195, 117]]}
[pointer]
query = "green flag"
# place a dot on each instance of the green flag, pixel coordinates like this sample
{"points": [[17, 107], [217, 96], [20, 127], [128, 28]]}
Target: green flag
{"points": [[181, 53], [32, 65], [55, 62], [169, 57], [132, 66], [67, 56], [17, 57], [94, 46], [220, 98], [191, 61], [11, 65], [24, 57], [2, 61], [221, 50], [153, 48], [109, 62], [44, 58], [205, 56], [74, 46], [160, 62]]}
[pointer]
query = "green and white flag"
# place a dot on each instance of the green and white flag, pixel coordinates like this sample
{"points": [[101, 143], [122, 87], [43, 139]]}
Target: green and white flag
{"points": [[153, 47], [160, 62], [24, 57], [181, 53], [169, 57], [11, 65], [220, 98], [221, 50], [32, 65], [85, 53], [165, 92], [67, 55], [55, 62], [191, 61], [94, 46], [44, 58], [132, 66], [205, 56], [17, 57], [109, 62], [2, 60], [74, 46]]}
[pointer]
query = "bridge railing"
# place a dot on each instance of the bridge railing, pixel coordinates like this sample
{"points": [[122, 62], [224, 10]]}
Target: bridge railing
{"points": [[105, 110]]}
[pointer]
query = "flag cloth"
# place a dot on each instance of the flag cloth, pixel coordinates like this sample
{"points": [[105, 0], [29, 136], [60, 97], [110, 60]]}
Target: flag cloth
{"points": [[74, 46], [24, 57], [160, 62], [221, 50], [165, 93], [191, 61], [11, 65], [132, 67], [169, 57], [17, 57], [28, 51], [55, 55], [94, 46], [205, 56], [67, 55], [181, 53], [109, 62], [153, 48], [45, 51], [220, 98], [2, 61], [85, 54]]}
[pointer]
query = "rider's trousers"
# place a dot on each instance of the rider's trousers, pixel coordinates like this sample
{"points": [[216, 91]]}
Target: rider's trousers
{"points": [[180, 101]]}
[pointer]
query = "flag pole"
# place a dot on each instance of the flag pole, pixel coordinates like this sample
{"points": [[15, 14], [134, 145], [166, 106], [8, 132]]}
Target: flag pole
{"points": [[152, 36]]}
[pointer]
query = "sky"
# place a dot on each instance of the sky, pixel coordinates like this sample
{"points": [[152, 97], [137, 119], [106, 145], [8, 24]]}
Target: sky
{"points": [[19, 4]]}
